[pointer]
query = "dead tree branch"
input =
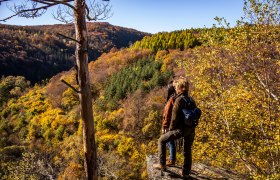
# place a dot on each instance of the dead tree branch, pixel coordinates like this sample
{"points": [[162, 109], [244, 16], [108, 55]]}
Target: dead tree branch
{"points": [[94, 11], [67, 37], [3, 1], [70, 86], [64, 14], [64, 2], [35, 8], [266, 88]]}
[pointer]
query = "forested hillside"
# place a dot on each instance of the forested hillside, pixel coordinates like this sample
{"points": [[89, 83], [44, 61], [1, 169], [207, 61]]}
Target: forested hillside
{"points": [[38, 52], [183, 39], [235, 80]]}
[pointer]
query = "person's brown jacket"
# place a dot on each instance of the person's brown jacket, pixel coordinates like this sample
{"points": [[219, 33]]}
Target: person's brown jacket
{"points": [[167, 113]]}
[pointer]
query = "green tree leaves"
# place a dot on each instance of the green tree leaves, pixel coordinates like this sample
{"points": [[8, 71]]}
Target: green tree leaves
{"points": [[144, 74], [12, 86], [162, 41]]}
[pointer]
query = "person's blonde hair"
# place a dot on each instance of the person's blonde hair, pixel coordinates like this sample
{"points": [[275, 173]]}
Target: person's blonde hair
{"points": [[181, 85]]}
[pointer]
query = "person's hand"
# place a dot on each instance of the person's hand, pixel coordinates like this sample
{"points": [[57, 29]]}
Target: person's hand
{"points": [[164, 130]]}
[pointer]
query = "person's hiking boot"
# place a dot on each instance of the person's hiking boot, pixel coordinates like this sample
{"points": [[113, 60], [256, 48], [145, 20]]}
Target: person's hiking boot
{"points": [[186, 176], [160, 167], [170, 163]]}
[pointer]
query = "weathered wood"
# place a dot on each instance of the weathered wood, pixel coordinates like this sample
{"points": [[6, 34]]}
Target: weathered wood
{"points": [[90, 155]]}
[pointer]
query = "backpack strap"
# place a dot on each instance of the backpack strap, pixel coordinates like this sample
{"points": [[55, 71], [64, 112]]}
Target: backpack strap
{"points": [[190, 103]]}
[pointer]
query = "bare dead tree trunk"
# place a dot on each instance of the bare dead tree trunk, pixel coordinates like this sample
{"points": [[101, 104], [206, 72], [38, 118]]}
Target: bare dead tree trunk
{"points": [[90, 155]]}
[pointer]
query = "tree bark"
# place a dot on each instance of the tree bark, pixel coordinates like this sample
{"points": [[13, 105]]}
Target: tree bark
{"points": [[85, 96]]}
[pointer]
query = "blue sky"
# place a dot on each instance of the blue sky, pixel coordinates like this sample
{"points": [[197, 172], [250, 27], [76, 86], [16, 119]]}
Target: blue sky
{"points": [[155, 15]]}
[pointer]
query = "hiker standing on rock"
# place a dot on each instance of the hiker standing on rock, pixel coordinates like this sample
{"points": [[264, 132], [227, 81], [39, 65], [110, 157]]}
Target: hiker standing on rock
{"points": [[166, 122], [177, 128]]}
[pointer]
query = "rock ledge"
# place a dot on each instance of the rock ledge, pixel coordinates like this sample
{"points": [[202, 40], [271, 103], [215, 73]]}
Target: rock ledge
{"points": [[199, 171]]}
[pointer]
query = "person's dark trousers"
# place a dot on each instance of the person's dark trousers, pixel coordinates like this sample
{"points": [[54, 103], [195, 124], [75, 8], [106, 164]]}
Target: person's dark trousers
{"points": [[189, 134], [172, 150], [169, 136]]}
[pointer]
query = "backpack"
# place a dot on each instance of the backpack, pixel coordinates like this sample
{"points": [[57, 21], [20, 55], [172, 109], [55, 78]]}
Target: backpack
{"points": [[191, 116]]}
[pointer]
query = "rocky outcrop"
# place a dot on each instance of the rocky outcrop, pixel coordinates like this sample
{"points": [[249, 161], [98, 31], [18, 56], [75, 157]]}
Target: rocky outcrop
{"points": [[199, 171]]}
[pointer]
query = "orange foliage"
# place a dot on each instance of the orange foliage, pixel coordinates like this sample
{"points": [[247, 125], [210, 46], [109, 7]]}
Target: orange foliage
{"points": [[109, 63], [56, 88]]}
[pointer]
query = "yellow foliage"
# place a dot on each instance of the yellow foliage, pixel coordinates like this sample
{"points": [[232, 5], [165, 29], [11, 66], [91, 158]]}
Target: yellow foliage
{"points": [[125, 146], [72, 172], [69, 99], [231, 83], [80, 128], [116, 114]]}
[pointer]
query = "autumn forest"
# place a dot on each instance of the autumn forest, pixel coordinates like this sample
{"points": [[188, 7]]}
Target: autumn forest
{"points": [[234, 74]]}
